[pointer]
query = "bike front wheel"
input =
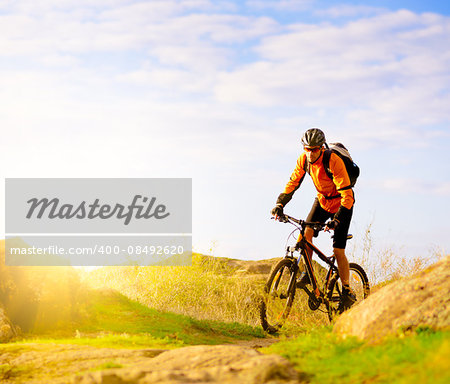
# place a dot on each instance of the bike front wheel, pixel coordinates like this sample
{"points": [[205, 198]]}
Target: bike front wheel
{"points": [[359, 283], [279, 293]]}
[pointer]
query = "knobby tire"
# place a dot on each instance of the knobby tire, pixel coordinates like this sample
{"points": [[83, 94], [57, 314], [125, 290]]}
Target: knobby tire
{"points": [[358, 282], [279, 293]]}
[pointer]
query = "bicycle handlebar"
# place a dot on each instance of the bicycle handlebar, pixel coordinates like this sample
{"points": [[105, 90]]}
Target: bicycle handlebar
{"points": [[315, 225]]}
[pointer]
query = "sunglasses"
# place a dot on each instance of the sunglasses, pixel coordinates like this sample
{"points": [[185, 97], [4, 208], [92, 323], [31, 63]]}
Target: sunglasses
{"points": [[313, 149]]}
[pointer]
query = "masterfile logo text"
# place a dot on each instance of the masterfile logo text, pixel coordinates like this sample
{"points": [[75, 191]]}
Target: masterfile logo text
{"points": [[145, 221]]}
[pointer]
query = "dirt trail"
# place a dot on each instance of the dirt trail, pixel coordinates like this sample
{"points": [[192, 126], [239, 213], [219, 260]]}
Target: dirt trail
{"points": [[67, 363], [38, 363], [256, 343]]}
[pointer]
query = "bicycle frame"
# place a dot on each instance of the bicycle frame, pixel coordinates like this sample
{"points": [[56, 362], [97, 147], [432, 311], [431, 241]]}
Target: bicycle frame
{"points": [[304, 244], [308, 262]]}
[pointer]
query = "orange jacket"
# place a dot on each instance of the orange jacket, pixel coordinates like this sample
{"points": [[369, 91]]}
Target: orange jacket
{"points": [[331, 193]]}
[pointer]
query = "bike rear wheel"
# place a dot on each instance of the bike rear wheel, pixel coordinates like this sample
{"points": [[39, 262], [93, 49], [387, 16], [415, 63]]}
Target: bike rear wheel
{"points": [[359, 283], [279, 293]]}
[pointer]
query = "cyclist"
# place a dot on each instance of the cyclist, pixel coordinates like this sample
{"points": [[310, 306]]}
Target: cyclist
{"points": [[334, 201]]}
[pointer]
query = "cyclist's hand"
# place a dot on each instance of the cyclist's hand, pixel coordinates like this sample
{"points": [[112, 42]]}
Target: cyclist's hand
{"points": [[331, 225], [277, 211]]}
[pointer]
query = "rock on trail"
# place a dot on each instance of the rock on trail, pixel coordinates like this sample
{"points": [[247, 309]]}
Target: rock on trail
{"points": [[7, 329], [420, 300], [201, 364]]}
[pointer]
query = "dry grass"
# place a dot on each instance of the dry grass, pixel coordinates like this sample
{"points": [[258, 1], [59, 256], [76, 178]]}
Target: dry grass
{"points": [[212, 289], [386, 265], [209, 289]]}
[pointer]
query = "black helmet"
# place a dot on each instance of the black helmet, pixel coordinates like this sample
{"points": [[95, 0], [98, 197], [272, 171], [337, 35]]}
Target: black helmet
{"points": [[313, 137]]}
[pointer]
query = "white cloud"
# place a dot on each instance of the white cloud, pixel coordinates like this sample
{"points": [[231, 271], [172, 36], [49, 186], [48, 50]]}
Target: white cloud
{"points": [[388, 72], [172, 6], [161, 31], [169, 79], [413, 186], [58, 61], [281, 5], [345, 10], [443, 189]]}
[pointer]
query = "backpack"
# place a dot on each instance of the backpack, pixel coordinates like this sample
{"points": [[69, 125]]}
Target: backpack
{"points": [[340, 150]]}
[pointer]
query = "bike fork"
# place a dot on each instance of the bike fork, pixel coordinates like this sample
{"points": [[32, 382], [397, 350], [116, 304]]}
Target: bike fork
{"points": [[293, 279]]}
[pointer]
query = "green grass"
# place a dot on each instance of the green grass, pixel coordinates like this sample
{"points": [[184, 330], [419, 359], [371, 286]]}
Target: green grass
{"points": [[107, 365], [112, 320], [322, 357], [9, 372], [108, 319], [103, 340]]}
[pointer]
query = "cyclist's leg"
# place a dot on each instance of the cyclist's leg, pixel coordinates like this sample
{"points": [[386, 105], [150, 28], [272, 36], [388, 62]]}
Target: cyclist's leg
{"points": [[317, 214], [339, 243], [343, 265]]}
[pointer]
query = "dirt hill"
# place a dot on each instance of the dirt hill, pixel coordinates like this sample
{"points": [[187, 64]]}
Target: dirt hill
{"points": [[256, 267]]}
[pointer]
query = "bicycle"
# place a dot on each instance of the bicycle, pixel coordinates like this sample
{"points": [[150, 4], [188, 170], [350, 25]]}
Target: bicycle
{"points": [[279, 291]]}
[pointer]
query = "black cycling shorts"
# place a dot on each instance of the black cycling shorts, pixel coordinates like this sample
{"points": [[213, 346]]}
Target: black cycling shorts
{"points": [[318, 214]]}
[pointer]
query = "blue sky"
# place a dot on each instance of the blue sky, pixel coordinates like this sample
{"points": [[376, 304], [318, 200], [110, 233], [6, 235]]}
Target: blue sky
{"points": [[221, 91]]}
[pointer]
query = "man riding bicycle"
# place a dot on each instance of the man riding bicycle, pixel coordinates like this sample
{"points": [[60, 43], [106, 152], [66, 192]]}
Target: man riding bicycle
{"points": [[335, 200]]}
